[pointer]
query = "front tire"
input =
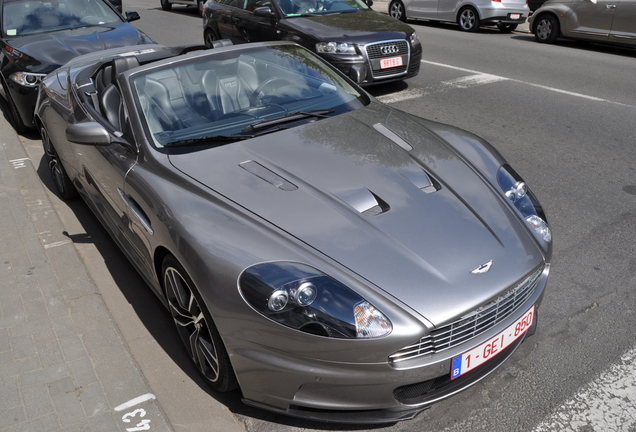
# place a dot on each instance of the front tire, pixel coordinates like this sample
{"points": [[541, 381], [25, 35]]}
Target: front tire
{"points": [[209, 37], [397, 11], [166, 5], [63, 183], [196, 328], [546, 29], [468, 19], [18, 124]]}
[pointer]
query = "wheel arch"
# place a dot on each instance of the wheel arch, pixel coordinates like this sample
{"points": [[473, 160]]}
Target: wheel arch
{"points": [[554, 13]]}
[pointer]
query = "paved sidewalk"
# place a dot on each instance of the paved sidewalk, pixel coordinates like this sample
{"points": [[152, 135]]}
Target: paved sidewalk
{"points": [[64, 365]]}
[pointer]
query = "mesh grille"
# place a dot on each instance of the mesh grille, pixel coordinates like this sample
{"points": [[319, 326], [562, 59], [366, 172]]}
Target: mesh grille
{"points": [[374, 51], [391, 49], [471, 325]]}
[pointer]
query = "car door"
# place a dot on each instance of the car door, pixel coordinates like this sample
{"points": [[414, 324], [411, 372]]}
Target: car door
{"points": [[252, 28], [428, 8], [223, 14], [591, 19], [624, 24]]}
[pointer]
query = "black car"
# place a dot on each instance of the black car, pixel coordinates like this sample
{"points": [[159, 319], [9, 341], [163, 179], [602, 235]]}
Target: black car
{"points": [[367, 46], [38, 36]]}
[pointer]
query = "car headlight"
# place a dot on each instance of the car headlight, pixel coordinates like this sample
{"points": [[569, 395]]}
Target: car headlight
{"points": [[414, 39], [518, 193], [335, 48], [303, 298], [27, 79]]}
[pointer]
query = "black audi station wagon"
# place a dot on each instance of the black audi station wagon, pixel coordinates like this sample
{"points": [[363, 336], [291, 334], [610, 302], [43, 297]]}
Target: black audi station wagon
{"points": [[367, 46]]}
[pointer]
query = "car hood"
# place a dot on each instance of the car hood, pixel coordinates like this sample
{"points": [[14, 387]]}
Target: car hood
{"points": [[319, 183], [45, 52], [355, 27]]}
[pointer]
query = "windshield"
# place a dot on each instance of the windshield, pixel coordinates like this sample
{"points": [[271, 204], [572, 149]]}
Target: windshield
{"points": [[234, 95], [291, 8], [25, 17]]}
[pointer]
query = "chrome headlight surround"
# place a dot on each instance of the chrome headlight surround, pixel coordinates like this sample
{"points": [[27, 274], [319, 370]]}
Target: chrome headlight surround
{"points": [[27, 79], [335, 48], [520, 195], [303, 298]]}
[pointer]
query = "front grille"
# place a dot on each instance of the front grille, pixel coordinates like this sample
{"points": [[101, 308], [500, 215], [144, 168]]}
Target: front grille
{"points": [[473, 324], [391, 49]]}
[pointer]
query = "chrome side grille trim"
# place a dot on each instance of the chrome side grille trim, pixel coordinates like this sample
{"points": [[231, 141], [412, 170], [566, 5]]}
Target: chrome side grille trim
{"points": [[473, 324]]}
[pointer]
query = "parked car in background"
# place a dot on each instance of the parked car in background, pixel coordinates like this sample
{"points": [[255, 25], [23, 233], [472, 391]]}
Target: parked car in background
{"points": [[335, 258], [118, 5], [38, 36], [468, 14], [167, 4], [367, 46], [605, 21]]}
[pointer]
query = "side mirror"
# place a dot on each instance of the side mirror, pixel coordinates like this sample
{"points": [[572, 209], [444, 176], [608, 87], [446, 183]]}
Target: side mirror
{"points": [[89, 133], [263, 12], [132, 16]]}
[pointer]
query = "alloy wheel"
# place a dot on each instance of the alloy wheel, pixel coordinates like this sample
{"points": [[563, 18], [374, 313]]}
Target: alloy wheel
{"points": [[191, 324]]}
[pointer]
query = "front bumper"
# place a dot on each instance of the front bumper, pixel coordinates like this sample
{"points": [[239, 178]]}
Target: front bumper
{"points": [[362, 392], [24, 99], [364, 69]]}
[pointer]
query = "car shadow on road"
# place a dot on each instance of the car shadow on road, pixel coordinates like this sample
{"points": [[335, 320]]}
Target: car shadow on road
{"points": [[592, 47]]}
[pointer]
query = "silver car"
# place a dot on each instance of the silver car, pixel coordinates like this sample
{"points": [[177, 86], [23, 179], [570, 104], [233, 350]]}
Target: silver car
{"points": [[612, 22], [333, 257], [469, 14]]}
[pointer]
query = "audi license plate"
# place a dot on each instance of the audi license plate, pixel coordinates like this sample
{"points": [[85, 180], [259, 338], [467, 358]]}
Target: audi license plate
{"points": [[390, 62], [484, 352]]}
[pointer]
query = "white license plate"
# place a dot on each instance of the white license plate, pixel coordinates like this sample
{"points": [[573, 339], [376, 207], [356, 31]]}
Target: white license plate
{"points": [[515, 16], [390, 62], [489, 349]]}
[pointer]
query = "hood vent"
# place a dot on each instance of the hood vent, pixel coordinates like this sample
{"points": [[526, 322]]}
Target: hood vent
{"points": [[422, 180], [365, 202], [392, 136], [269, 176]]}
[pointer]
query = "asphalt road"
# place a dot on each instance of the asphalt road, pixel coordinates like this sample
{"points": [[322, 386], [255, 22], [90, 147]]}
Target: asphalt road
{"points": [[563, 115]]}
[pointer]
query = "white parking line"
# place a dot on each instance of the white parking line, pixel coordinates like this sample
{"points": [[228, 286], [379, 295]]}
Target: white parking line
{"points": [[478, 78], [606, 404]]}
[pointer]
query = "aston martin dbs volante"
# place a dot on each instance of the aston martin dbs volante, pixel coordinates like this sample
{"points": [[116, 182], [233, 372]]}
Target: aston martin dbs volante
{"points": [[38, 36], [335, 258]]}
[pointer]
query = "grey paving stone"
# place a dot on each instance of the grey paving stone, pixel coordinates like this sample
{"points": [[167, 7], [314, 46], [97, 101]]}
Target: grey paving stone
{"points": [[9, 394], [22, 347], [19, 367], [64, 327], [36, 401], [36, 310], [93, 400], [104, 423], [50, 288], [50, 353], [5, 357], [4, 340], [72, 348], [82, 372], [29, 328], [56, 307], [69, 409], [12, 417], [61, 386], [48, 423], [44, 335], [44, 375], [78, 427]]}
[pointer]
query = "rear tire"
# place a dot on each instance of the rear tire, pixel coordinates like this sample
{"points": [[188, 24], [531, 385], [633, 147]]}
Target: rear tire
{"points": [[397, 11], [468, 19], [546, 29], [166, 5], [196, 328], [63, 183]]}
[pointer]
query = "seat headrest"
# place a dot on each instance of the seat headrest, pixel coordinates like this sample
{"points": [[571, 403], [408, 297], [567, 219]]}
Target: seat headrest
{"points": [[121, 64]]}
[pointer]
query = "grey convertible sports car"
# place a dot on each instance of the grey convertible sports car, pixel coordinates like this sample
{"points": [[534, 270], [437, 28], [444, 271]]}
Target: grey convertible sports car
{"points": [[335, 258]]}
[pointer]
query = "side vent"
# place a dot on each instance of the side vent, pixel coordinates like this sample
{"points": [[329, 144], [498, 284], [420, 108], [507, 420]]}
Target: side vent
{"points": [[269, 176], [422, 180], [365, 202]]}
